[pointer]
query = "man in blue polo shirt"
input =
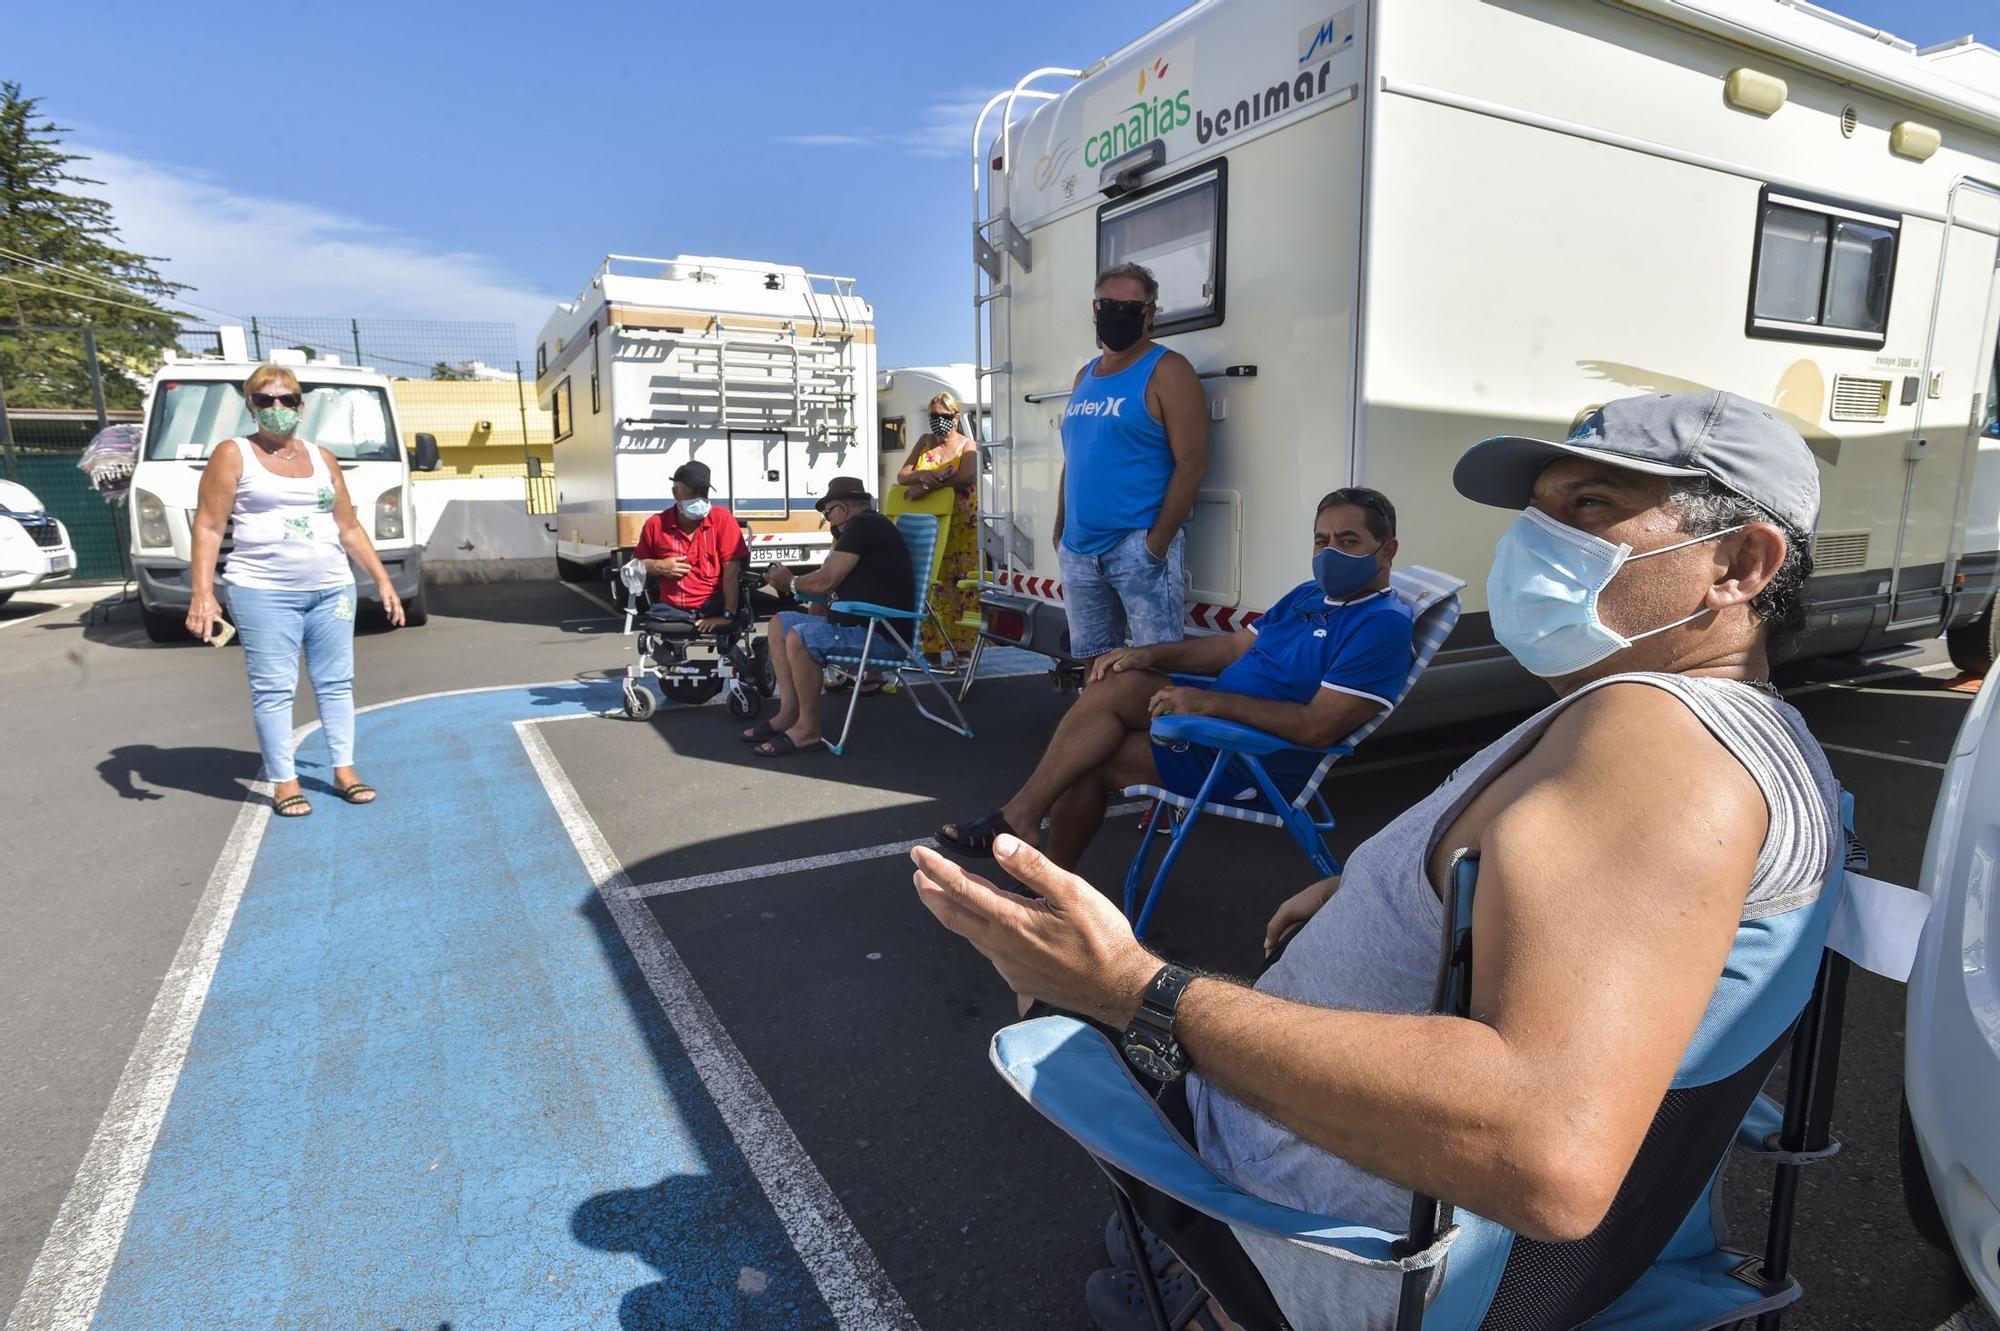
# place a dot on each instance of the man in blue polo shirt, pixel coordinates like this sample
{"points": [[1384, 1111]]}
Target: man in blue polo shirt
{"points": [[1330, 654]]}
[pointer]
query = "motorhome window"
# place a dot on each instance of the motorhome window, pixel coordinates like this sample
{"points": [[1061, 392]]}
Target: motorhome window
{"points": [[1991, 429], [892, 435], [559, 411], [350, 421], [1822, 272], [1176, 229]]}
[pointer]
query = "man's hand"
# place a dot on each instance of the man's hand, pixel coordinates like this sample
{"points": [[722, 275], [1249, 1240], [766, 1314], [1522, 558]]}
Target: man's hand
{"points": [[710, 623], [1120, 659], [1179, 701], [1296, 910], [1152, 540], [672, 566], [1067, 945], [778, 576]]}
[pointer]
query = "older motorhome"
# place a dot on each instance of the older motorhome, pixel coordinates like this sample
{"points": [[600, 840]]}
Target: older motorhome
{"points": [[763, 372]]}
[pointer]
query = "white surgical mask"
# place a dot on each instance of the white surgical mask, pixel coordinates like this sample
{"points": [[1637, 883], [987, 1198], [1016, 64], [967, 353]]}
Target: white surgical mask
{"points": [[1542, 594], [697, 509]]}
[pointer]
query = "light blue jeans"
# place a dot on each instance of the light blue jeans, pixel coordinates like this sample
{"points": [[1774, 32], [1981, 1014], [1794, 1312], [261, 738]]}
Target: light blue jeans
{"points": [[274, 626], [1124, 592]]}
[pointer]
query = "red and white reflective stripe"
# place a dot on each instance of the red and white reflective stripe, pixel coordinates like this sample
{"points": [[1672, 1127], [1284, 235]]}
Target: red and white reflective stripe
{"points": [[1217, 618], [790, 538]]}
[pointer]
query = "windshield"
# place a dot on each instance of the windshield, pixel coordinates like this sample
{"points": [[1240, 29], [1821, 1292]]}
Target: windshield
{"points": [[350, 421]]}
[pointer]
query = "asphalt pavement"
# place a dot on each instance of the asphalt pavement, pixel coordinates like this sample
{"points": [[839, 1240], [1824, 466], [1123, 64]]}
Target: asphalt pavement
{"points": [[714, 963]]}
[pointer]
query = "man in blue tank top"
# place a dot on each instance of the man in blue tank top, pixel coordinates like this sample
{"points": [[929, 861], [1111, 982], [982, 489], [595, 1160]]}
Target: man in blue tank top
{"points": [[1135, 450]]}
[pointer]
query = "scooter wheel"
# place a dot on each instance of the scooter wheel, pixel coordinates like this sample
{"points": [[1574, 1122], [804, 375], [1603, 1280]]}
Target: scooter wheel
{"points": [[639, 701], [745, 703]]}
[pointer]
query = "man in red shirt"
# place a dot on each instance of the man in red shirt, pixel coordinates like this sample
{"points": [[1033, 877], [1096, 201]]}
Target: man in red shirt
{"points": [[696, 551]]}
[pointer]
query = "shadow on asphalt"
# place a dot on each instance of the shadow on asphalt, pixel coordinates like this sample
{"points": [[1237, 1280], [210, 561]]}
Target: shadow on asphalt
{"points": [[142, 771]]}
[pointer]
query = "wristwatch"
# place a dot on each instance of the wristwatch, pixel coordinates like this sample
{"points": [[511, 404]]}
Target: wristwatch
{"points": [[1148, 1043]]}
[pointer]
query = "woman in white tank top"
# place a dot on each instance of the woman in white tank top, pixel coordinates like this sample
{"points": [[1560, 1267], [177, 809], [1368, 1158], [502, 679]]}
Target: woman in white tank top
{"points": [[290, 583]]}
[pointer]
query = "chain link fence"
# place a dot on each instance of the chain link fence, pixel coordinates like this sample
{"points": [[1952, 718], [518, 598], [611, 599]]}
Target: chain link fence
{"points": [[459, 382]]}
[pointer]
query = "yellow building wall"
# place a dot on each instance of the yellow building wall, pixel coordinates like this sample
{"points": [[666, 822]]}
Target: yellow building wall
{"points": [[477, 424]]}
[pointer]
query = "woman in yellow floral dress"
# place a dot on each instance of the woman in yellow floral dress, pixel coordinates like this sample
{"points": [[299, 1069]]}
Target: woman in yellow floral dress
{"points": [[947, 456]]}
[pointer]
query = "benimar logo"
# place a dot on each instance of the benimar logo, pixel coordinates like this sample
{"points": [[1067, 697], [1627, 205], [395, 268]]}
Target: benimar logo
{"points": [[1114, 127]]}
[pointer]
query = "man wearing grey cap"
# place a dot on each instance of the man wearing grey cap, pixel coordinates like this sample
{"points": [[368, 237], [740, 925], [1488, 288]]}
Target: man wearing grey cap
{"points": [[1624, 833]]}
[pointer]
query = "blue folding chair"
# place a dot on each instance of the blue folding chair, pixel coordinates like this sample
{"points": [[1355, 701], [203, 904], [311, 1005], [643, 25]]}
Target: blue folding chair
{"points": [[1658, 1260], [1433, 600], [885, 649]]}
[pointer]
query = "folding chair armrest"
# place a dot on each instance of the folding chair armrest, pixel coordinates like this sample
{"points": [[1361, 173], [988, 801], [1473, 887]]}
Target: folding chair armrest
{"points": [[1231, 735], [971, 584], [1071, 1074], [873, 611]]}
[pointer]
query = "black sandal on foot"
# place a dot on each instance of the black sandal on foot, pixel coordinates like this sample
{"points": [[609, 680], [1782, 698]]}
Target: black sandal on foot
{"points": [[782, 745], [759, 733], [977, 838], [352, 793], [1158, 1255], [292, 806]]}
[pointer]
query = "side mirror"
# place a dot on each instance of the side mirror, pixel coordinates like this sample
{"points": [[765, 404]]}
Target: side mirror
{"points": [[427, 453]]}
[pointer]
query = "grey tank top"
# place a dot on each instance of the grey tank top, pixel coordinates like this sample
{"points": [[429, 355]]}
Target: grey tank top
{"points": [[1374, 948]]}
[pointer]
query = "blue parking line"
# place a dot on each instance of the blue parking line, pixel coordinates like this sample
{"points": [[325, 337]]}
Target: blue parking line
{"points": [[429, 1087]]}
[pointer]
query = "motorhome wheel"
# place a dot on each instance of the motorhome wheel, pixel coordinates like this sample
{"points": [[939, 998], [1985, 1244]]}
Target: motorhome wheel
{"points": [[1974, 646]]}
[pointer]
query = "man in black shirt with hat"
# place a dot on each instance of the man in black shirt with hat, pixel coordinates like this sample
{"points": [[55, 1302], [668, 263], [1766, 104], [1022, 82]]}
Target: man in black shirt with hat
{"points": [[869, 563]]}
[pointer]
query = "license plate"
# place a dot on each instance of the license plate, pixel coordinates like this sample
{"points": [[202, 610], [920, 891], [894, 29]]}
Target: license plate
{"points": [[61, 563], [775, 554]]}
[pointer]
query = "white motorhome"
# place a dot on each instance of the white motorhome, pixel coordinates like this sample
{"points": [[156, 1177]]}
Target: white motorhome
{"points": [[902, 402], [763, 372], [1384, 231], [194, 403]]}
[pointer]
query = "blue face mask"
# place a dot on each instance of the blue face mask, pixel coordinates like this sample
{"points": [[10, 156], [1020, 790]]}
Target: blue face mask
{"points": [[695, 509], [1542, 594], [1340, 574]]}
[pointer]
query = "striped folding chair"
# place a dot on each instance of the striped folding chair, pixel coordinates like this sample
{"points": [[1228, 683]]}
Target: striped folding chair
{"points": [[1433, 600], [886, 649]]}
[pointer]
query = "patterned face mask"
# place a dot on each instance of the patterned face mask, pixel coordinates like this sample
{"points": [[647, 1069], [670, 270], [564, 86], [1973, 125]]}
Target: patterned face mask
{"points": [[942, 425], [277, 421]]}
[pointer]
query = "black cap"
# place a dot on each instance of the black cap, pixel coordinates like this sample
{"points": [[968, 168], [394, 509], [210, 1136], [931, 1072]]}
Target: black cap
{"points": [[693, 474]]}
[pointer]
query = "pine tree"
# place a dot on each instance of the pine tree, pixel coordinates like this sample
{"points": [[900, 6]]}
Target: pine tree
{"points": [[61, 267]]}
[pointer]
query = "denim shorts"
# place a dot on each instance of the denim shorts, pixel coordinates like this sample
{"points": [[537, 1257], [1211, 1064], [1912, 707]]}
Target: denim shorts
{"points": [[1122, 593], [824, 638]]}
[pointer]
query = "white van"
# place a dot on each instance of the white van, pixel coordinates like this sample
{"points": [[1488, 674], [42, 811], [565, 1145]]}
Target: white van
{"points": [[196, 402], [34, 546], [1384, 231]]}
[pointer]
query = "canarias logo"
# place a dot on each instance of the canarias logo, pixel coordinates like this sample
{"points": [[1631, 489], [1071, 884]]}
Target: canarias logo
{"points": [[1147, 119]]}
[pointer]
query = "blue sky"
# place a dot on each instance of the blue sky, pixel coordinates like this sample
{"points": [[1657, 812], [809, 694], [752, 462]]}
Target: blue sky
{"points": [[437, 161]]}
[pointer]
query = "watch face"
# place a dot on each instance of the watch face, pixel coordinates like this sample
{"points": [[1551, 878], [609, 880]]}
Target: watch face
{"points": [[1161, 1064]]}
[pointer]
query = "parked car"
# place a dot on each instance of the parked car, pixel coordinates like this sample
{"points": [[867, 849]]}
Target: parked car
{"points": [[34, 547], [1951, 1059]]}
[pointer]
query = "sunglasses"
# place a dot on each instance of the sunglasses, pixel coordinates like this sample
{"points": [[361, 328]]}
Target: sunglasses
{"points": [[262, 400], [1103, 305]]}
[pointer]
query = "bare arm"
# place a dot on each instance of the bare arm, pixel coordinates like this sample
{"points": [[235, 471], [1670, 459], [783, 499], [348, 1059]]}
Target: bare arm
{"points": [[1183, 410], [907, 474], [1062, 481], [213, 504], [1210, 654], [826, 579], [354, 539], [1318, 724], [1601, 926]]}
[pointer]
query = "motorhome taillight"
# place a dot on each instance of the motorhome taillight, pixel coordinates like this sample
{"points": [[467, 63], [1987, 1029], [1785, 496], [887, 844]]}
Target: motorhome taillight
{"points": [[1005, 623]]}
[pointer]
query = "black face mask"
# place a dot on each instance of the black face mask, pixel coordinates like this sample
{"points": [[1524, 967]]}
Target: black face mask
{"points": [[1120, 323]]}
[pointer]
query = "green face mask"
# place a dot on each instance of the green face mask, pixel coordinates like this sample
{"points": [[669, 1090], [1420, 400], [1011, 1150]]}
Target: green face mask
{"points": [[277, 420]]}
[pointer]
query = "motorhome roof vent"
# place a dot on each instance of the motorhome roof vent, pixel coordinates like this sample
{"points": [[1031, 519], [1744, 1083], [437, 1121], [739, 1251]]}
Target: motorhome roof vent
{"points": [[1849, 118], [1839, 551], [1859, 399]]}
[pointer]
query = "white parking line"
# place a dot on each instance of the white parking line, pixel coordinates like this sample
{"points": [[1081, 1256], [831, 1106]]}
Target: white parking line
{"points": [[68, 1276], [856, 1289], [1942, 668], [1885, 757], [10, 623]]}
